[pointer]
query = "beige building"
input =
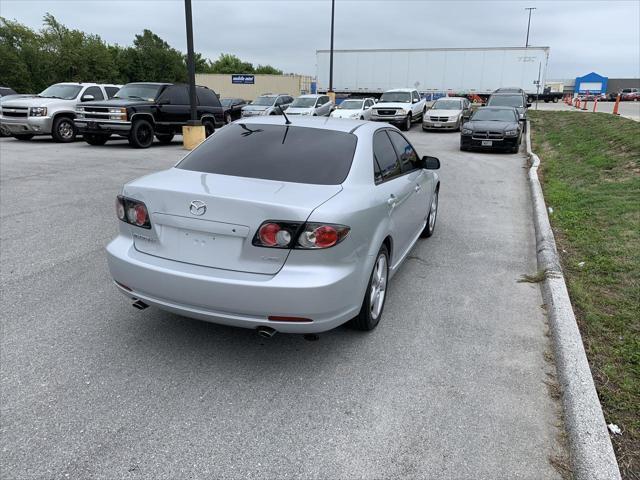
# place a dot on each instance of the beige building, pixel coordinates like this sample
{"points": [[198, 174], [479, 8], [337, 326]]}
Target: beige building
{"points": [[224, 84]]}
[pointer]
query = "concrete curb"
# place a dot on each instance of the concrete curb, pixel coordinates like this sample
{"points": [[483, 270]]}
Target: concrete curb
{"points": [[592, 456]]}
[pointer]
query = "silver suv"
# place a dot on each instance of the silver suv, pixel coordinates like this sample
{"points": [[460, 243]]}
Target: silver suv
{"points": [[52, 111], [267, 104]]}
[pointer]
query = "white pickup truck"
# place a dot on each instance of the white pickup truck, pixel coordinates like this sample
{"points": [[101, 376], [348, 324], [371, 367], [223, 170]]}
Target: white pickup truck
{"points": [[400, 106]]}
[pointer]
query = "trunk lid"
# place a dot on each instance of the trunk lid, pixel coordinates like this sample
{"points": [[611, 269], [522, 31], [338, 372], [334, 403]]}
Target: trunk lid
{"points": [[221, 235]]}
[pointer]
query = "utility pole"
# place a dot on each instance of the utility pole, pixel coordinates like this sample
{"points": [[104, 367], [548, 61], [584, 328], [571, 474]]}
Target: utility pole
{"points": [[526, 44], [330, 92], [191, 67]]}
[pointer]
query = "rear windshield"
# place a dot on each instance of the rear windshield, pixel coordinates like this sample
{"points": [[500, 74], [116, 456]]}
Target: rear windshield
{"points": [[275, 152], [506, 100]]}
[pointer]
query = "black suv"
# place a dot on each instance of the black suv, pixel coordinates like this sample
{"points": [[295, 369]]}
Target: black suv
{"points": [[140, 111]]}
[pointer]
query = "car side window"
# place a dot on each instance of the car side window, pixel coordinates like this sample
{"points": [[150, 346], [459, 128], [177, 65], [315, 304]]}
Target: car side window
{"points": [[95, 91], [404, 150], [207, 97], [385, 158], [111, 91], [175, 95]]}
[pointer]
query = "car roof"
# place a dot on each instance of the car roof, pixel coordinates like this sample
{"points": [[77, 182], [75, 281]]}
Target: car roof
{"points": [[400, 90], [496, 107], [150, 83], [509, 90], [450, 98], [324, 123], [311, 95], [504, 94]]}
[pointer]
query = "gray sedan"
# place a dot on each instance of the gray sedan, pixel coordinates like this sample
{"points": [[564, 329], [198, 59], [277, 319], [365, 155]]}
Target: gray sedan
{"points": [[293, 227]]}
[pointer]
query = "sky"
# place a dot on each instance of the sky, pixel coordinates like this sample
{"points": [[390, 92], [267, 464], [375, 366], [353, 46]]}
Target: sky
{"points": [[584, 36]]}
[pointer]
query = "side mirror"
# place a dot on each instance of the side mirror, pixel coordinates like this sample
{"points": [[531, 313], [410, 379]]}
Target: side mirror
{"points": [[88, 98], [430, 163], [415, 100], [528, 105]]}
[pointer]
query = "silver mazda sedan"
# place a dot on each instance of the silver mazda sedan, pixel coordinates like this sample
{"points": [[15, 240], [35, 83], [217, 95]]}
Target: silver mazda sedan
{"points": [[292, 227]]}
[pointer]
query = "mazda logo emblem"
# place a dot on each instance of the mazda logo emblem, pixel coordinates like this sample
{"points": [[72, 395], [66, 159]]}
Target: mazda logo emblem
{"points": [[198, 208]]}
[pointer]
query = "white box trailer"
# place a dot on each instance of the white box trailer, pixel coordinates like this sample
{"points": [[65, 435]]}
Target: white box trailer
{"points": [[460, 70]]}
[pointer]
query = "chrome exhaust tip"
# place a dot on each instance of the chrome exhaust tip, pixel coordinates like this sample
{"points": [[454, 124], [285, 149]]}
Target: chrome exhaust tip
{"points": [[266, 332], [139, 304]]}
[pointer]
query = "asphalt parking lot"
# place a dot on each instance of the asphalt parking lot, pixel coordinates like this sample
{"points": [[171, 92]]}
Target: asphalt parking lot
{"points": [[451, 385]]}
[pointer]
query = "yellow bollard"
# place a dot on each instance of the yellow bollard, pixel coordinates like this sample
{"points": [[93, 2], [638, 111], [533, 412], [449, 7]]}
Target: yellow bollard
{"points": [[192, 136]]}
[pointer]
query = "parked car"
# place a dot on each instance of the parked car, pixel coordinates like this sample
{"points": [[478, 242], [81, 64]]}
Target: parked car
{"points": [[140, 111], [447, 113], [313, 105], [267, 105], [298, 227], [509, 90], [232, 108], [400, 106], [52, 111], [515, 100], [630, 94], [354, 108], [4, 91], [492, 128]]}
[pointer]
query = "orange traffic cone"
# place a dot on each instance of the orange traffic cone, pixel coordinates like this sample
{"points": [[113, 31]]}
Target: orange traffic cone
{"points": [[615, 107]]}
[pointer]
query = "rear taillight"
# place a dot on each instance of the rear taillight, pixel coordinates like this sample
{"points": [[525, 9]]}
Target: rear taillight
{"points": [[132, 211], [307, 236]]}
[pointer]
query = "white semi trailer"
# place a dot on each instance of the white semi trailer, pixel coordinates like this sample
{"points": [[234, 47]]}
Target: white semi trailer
{"points": [[461, 70]]}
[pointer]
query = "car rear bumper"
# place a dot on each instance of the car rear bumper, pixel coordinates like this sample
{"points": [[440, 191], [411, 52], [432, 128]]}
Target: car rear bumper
{"points": [[104, 127], [329, 296], [27, 125], [507, 143]]}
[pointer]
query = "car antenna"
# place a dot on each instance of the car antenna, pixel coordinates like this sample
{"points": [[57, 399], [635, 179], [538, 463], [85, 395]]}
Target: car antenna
{"points": [[286, 119]]}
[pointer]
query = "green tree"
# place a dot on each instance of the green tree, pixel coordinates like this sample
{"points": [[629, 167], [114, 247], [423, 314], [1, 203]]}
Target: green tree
{"points": [[155, 60], [267, 70], [227, 63], [22, 61]]}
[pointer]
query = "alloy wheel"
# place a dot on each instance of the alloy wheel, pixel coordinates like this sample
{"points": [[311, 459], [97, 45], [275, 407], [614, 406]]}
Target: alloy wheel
{"points": [[433, 212], [65, 129], [378, 286]]}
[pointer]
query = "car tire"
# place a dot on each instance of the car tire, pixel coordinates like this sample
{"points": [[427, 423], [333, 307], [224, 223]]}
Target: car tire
{"points": [[361, 117], [209, 127], [515, 148], [165, 138], [370, 314], [407, 123], [430, 227], [141, 134], [227, 118], [63, 130], [463, 149], [555, 99], [95, 138], [23, 136]]}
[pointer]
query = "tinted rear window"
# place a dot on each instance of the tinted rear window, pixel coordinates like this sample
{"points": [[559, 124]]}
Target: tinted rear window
{"points": [[276, 152]]}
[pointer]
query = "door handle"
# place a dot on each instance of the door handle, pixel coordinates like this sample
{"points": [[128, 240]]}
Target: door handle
{"points": [[391, 201], [417, 188]]}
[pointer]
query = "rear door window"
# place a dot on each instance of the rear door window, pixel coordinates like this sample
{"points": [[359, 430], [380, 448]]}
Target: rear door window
{"points": [[385, 156], [275, 152], [207, 97]]}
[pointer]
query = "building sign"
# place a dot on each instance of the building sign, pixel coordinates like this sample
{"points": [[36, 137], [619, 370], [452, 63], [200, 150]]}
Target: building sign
{"points": [[243, 79]]}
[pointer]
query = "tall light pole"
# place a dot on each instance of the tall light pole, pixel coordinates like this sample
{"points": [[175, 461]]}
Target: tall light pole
{"points": [[526, 44], [191, 67], [333, 12]]}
